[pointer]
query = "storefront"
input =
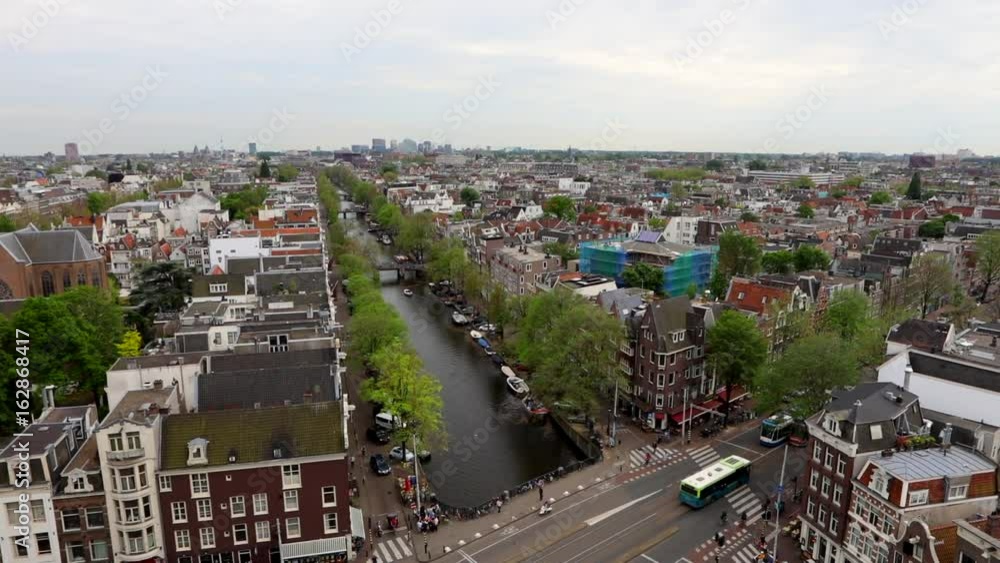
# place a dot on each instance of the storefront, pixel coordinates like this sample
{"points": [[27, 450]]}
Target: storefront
{"points": [[326, 550]]}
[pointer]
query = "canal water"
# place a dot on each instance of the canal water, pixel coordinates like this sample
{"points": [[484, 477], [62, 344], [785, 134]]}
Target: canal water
{"points": [[493, 446]]}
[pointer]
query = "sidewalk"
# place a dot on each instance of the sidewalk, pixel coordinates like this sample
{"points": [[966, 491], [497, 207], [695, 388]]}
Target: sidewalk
{"points": [[619, 460]]}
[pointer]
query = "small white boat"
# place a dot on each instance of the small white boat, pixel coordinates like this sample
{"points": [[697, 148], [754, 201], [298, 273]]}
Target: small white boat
{"points": [[475, 334], [459, 318], [507, 372], [517, 386], [408, 292]]}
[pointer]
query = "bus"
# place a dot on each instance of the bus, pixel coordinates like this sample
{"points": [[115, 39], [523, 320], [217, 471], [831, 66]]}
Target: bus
{"points": [[715, 481], [775, 429]]}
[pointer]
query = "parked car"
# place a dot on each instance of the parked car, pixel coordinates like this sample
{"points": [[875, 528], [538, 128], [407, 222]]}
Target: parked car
{"points": [[398, 454], [380, 465], [379, 435]]}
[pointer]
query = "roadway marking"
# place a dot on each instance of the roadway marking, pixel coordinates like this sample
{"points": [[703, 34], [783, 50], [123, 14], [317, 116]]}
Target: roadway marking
{"points": [[465, 557], [604, 541], [648, 558], [755, 452], [601, 517]]}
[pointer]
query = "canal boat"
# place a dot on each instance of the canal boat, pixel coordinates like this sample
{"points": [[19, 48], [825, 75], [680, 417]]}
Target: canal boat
{"points": [[386, 240], [507, 372], [517, 386], [497, 359], [483, 342], [408, 292], [459, 318], [534, 407], [475, 334]]}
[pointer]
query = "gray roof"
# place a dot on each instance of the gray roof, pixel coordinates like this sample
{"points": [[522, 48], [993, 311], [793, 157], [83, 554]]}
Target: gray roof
{"points": [[943, 367], [875, 404], [266, 387], [31, 246], [934, 463], [627, 298], [926, 335]]}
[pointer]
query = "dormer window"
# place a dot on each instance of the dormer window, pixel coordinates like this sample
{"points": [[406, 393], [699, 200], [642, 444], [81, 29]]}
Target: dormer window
{"points": [[830, 425], [198, 452], [218, 288], [880, 482]]}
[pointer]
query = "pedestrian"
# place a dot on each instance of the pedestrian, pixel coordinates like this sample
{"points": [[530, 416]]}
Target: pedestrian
{"points": [[648, 458], [364, 451], [659, 440], [374, 558], [541, 494], [499, 506]]}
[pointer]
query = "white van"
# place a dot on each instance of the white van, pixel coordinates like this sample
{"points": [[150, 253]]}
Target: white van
{"points": [[387, 421]]}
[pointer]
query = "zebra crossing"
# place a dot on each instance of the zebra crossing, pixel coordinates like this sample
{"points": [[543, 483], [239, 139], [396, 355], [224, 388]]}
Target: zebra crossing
{"points": [[743, 500], [637, 457], [704, 455], [392, 550], [748, 554]]}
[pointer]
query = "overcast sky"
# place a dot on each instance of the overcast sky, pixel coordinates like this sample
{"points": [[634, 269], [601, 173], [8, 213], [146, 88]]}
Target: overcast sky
{"points": [[861, 75]]}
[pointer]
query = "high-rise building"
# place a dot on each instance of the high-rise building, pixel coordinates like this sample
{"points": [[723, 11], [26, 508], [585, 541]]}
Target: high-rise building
{"points": [[393, 144], [72, 152], [253, 149], [378, 145]]}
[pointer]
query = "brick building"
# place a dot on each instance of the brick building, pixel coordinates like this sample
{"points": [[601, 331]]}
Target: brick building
{"points": [[41, 263]]}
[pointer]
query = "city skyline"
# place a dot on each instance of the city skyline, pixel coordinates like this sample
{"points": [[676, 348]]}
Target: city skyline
{"points": [[730, 76]]}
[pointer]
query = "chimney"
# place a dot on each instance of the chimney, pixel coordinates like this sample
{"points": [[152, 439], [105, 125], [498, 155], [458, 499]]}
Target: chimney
{"points": [[906, 378], [49, 397], [158, 384]]}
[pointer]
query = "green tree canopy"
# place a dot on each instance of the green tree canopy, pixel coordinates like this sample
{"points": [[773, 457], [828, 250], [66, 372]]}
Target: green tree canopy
{"points": [[806, 211], [737, 351], [657, 223], [95, 173], [564, 251], [880, 198], [560, 206], [807, 257], [803, 182], [161, 287], [469, 195], [715, 165], [390, 218], [739, 255], [988, 261], [803, 377], [99, 202], [7, 225], [749, 217], [779, 262], [416, 235], [676, 174], [757, 164], [265, 169], [846, 314], [914, 190], [287, 172], [645, 276], [245, 203], [929, 280], [934, 228]]}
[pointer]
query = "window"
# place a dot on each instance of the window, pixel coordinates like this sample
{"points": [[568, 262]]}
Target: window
{"points": [[43, 543], [237, 507], [98, 550], [834, 523], [126, 480], [811, 508], [821, 517], [199, 484], [918, 497], [182, 539], [291, 501], [95, 518], [71, 520], [38, 511], [207, 536], [829, 459], [918, 552], [292, 528], [660, 380], [814, 479], [673, 359], [263, 530], [841, 465], [115, 441], [330, 523], [48, 285], [81, 278], [880, 482], [75, 551], [217, 287], [817, 451], [329, 496], [179, 511], [166, 483], [673, 378], [240, 534], [876, 431], [278, 342], [132, 441], [290, 476], [740, 296], [825, 491], [259, 503], [838, 493], [244, 557], [958, 492], [204, 509], [659, 400]]}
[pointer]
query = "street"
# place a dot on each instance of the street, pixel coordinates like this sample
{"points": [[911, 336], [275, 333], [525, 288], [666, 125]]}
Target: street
{"points": [[639, 518]]}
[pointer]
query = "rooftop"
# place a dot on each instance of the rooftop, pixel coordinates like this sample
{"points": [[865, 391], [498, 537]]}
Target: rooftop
{"points": [[920, 465]]}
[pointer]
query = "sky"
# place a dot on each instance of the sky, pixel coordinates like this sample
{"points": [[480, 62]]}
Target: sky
{"points": [[787, 76]]}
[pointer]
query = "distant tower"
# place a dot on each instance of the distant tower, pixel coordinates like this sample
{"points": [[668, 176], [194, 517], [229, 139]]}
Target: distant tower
{"points": [[253, 149], [72, 152]]}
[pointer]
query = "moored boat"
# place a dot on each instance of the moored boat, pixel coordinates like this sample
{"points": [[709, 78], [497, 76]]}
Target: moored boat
{"points": [[475, 334], [507, 372], [408, 292], [459, 318], [517, 386]]}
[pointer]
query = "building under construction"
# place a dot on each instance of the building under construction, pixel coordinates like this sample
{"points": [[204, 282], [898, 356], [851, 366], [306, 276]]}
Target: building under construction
{"points": [[682, 264]]}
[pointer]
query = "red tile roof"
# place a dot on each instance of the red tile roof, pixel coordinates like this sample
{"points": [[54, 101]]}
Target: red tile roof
{"points": [[749, 295]]}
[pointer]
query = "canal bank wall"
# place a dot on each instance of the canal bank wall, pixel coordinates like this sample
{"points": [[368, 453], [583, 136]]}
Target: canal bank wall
{"points": [[583, 444]]}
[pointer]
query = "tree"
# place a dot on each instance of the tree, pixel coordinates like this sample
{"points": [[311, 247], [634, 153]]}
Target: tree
{"points": [[914, 190], [803, 377], [934, 228], [244, 203], [564, 251], [469, 196], [838, 194], [657, 223], [880, 198], [779, 262], [692, 290], [739, 255], [498, 309], [988, 261], [561, 207], [161, 287], [265, 169], [804, 183], [188, 177], [447, 260], [403, 388], [846, 315], [854, 181], [390, 218], [416, 235], [676, 174], [143, 168], [737, 351], [374, 325], [95, 173], [7, 225], [287, 172], [131, 344], [715, 165], [810, 258], [749, 217], [806, 211], [98, 202], [678, 192], [590, 208], [757, 164], [128, 164], [930, 279], [645, 276]]}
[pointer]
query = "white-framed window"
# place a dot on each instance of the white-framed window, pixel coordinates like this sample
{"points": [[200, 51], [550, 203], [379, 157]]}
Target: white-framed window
{"points": [[659, 400], [116, 442], [830, 425], [880, 482], [218, 287], [673, 359], [179, 511], [841, 465], [204, 508], [814, 479], [262, 530], [292, 528], [834, 523], [74, 551], [241, 535], [237, 506], [70, 518], [259, 503], [838, 493], [207, 537], [821, 516], [825, 490], [661, 379], [166, 483], [876, 431], [182, 539], [291, 500], [956, 492], [95, 517], [810, 507], [330, 523], [673, 378], [199, 484], [829, 459], [817, 451], [661, 360], [291, 476], [43, 544], [99, 550], [329, 496], [132, 441], [918, 497]]}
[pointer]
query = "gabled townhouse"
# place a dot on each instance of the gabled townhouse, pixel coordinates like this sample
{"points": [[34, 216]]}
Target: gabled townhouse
{"points": [[79, 501]]}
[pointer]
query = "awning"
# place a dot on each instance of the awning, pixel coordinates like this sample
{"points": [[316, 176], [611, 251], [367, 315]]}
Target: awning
{"points": [[739, 392], [313, 548], [711, 405], [357, 523]]}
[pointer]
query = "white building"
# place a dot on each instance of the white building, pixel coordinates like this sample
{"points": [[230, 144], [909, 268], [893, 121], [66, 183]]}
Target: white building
{"points": [[573, 187], [435, 202], [681, 230], [220, 250]]}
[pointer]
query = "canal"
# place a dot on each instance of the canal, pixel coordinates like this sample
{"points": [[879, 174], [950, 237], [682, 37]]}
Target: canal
{"points": [[493, 445]]}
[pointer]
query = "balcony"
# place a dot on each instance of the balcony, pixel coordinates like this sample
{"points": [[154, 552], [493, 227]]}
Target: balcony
{"points": [[125, 455]]}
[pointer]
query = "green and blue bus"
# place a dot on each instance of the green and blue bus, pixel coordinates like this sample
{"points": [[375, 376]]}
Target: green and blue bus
{"points": [[775, 430], [715, 481]]}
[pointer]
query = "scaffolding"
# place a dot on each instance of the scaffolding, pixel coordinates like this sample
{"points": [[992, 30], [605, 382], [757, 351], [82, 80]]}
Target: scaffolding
{"points": [[609, 259], [603, 258]]}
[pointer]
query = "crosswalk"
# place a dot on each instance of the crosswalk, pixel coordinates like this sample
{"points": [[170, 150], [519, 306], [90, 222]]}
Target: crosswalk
{"points": [[704, 455], [743, 500], [637, 457], [748, 554], [392, 550]]}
